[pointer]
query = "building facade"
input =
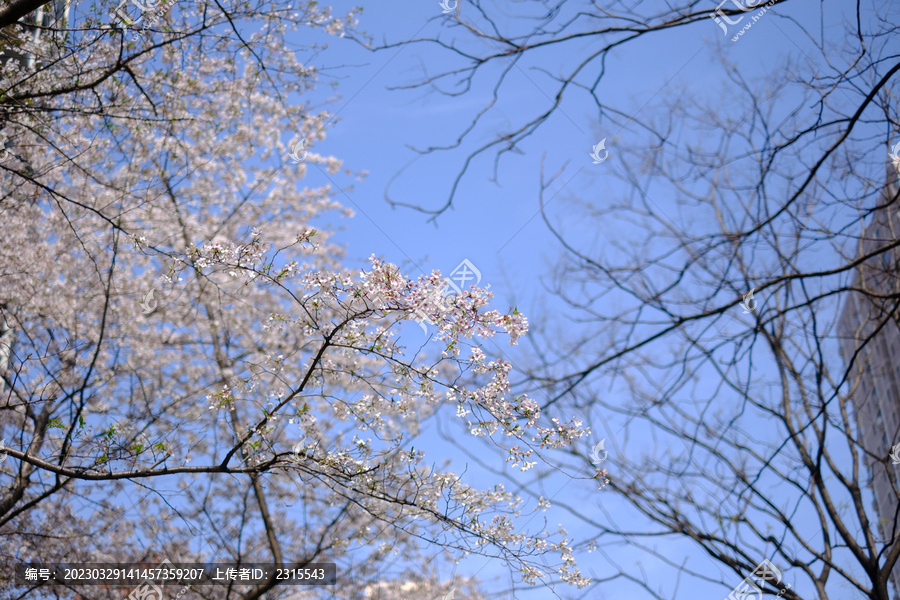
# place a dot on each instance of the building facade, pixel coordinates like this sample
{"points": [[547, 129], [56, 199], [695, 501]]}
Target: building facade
{"points": [[869, 333], [48, 20]]}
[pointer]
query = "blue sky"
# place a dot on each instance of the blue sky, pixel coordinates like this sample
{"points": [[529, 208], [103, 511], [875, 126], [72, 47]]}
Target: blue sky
{"points": [[496, 225]]}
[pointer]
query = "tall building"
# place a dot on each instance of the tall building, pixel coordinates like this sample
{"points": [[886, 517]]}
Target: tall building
{"points": [[49, 19], [37, 25], [48, 22], [869, 329]]}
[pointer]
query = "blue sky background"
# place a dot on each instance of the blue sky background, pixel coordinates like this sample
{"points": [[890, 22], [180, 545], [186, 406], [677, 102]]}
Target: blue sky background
{"points": [[496, 225]]}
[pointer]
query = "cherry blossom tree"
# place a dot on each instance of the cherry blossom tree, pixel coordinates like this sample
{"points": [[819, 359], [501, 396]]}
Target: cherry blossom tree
{"points": [[189, 373]]}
